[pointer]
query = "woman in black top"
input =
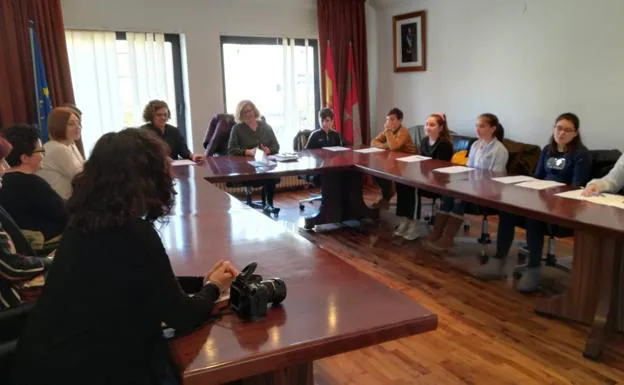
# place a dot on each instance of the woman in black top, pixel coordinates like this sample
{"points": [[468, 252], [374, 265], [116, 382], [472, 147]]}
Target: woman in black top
{"points": [[30, 200], [99, 318], [436, 145]]}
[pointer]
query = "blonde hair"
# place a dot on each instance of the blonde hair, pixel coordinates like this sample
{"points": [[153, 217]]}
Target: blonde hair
{"points": [[241, 106]]}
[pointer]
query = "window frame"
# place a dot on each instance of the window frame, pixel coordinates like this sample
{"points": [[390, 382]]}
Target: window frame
{"points": [[252, 40]]}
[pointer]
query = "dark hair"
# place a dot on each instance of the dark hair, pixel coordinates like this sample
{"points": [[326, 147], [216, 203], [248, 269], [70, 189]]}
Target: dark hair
{"points": [[445, 133], [73, 107], [23, 138], [492, 120], [127, 176], [396, 112], [574, 143], [149, 112], [326, 113]]}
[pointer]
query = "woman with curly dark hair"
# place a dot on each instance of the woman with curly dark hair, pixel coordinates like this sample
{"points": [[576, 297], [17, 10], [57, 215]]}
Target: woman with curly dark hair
{"points": [[156, 115], [112, 284]]}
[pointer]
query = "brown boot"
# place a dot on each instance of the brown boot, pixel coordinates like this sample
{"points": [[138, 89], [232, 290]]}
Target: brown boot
{"points": [[446, 241], [438, 226]]}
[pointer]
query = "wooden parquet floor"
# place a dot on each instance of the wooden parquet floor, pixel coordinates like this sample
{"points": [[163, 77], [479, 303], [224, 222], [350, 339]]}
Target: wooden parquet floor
{"points": [[487, 334]]}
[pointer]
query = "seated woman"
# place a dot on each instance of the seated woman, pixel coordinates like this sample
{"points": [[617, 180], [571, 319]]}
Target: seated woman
{"points": [[394, 137], [613, 182], [63, 160], [36, 208], [436, 144], [112, 284], [249, 134], [157, 114], [21, 272], [565, 159], [487, 153]]}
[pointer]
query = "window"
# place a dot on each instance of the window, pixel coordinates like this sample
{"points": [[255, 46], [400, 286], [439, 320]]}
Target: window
{"points": [[280, 75], [115, 74]]}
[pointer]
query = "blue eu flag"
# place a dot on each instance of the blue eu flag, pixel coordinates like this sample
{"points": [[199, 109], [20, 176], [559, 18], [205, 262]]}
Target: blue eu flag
{"points": [[44, 103]]}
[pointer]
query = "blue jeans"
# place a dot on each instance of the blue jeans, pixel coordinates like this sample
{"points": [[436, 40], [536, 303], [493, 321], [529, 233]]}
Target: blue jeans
{"points": [[450, 205], [535, 230]]}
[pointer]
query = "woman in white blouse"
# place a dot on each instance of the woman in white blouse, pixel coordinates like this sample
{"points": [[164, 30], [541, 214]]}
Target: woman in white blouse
{"points": [[62, 159]]}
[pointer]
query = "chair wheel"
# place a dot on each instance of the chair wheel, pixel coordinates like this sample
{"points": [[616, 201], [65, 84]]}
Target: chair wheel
{"points": [[483, 258], [517, 275], [301, 207], [466, 227]]}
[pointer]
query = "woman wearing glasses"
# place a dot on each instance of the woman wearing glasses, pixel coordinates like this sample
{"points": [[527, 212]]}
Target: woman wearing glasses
{"points": [[63, 160], [565, 159], [36, 208]]}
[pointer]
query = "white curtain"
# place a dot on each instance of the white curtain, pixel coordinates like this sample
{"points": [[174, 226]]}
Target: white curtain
{"points": [[148, 70], [94, 69]]}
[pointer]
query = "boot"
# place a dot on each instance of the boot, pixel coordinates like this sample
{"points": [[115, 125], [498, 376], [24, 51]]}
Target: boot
{"points": [[438, 226], [400, 230], [493, 269], [530, 280], [446, 241]]}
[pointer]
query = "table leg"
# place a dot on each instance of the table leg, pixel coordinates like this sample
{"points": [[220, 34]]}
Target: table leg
{"points": [[594, 283], [297, 374], [341, 200]]}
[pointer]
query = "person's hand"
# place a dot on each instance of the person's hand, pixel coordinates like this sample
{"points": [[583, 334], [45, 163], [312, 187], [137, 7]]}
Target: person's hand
{"points": [[197, 158], [250, 152], [387, 126], [590, 190], [222, 274], [266, 150]]}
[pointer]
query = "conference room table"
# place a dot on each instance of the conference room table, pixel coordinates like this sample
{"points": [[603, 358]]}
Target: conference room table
{"points": [[594, 294], [330, 308]]}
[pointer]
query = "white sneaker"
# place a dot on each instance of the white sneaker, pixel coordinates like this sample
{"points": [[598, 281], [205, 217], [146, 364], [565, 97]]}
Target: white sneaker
{"points": [[493, 269], [400, 230], [413, 231], [530, 279]]}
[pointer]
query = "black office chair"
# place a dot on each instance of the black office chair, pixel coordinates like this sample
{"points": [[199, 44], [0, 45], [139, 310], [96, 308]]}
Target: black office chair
{"points": [[11, 323], [299, 143]]}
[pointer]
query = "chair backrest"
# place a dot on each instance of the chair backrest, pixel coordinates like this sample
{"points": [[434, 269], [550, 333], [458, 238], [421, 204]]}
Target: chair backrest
{"points": [[523, 157], [602, 162], [12, 322], [417, 133], [300, 140], [462, 142], [218, 134]]}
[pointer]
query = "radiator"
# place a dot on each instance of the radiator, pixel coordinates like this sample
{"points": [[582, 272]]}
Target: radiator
{"points": [[287, 183]]}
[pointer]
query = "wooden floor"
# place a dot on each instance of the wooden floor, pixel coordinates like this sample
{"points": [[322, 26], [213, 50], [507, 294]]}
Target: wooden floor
{"points": [[487, 334]]}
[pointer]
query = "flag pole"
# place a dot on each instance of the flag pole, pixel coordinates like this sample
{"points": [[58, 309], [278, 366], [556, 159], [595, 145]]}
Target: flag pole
{"points": [[31, 33]]}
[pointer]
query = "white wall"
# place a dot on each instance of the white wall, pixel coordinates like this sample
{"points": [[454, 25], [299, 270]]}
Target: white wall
{"points": [[202, 22], [524, 60]]}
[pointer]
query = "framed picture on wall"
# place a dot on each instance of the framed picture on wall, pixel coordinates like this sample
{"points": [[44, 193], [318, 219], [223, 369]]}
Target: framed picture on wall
{"points": [[409, 36]]}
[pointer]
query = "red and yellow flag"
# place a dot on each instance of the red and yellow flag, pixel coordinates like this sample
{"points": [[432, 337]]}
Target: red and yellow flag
{"points": [[352, 132], [331, 95]]}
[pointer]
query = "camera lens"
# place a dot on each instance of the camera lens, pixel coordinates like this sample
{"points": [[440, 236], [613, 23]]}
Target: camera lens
{"points": [[276, 290]]}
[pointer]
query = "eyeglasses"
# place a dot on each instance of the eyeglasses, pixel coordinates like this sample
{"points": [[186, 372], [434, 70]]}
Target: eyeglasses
{"points": [[247, 110], [565, 129]]}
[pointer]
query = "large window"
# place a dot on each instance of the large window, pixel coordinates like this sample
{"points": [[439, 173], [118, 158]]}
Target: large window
{"points": [[280, 75], [115, 74]]}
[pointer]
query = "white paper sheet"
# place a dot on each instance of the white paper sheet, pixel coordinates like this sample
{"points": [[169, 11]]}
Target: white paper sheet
{"points": [[540, 184], [182, 162], [454, 169], [335, 148], [369, 150], [413, 158], [514, 179], [613, 200]]}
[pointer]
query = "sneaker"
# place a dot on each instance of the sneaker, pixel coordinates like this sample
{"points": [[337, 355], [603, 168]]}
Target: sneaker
{"points": [[400, 229], [530, 279], [493, 269], [412, 232]]}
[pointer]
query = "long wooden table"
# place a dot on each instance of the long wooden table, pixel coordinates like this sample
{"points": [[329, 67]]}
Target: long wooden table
{"points": [[330, 308], [594, 295]]}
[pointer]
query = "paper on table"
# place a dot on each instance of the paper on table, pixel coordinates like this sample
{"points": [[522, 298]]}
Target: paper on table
{"points": [[602, 199], [540, 184], [335, 148], [182, 162], [453, 169], [369, 150], [514, 179], [413, 158]]}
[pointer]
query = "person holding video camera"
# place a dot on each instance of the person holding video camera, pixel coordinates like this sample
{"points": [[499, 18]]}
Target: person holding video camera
{"points": [[99, 319]]}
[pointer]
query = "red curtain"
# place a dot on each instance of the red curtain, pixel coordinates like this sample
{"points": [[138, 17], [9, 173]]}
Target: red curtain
{"points": [[342, 22], [16, 61]]}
